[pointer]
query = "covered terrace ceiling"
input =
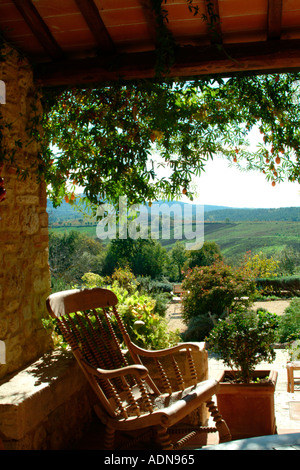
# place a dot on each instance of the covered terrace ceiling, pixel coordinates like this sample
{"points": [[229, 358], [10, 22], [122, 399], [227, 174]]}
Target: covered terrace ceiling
{"points": [[72, 42]]}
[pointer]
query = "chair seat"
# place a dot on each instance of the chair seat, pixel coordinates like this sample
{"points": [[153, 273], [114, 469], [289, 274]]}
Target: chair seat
{"points": [[168, 409]]}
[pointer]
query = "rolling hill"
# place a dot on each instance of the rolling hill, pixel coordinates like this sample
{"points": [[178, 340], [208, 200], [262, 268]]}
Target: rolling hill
{"points": [[236, 231], [211, 212]]}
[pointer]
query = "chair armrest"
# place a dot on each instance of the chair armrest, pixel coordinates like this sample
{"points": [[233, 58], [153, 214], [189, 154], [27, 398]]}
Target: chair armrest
{"points": [[137, 370], [163, 352]]}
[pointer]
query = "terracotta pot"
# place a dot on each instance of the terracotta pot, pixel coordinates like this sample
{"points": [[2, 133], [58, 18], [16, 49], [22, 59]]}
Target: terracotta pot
{"points": [[248, 409]]}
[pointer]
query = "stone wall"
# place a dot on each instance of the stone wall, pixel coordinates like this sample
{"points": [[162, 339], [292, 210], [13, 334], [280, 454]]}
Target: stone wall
{"points": [[24, 270], [46, 406]]}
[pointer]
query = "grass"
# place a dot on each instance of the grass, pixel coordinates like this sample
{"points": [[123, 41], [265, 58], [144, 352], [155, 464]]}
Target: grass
{"points": [[268, 237]]}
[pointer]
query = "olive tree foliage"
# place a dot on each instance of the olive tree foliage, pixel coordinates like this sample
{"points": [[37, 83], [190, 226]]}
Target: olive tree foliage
{"points": [[149, 139]]}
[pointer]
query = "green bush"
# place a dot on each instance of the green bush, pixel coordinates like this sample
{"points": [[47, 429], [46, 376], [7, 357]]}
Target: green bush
{"points": [[161, 302], [279, 286], [260, 265], [198, 328], [147, 284], [125, 278], [243, 340], [93, 280], [140, 312], [146, 328], [214, 290], [207, 255], [289, 322], [59, 284]]}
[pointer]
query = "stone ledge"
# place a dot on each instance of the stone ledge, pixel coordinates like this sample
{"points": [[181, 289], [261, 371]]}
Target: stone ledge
{"points": [[45, 405]]}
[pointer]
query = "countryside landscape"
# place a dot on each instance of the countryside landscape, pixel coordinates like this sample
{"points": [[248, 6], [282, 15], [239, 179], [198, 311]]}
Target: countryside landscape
{"points": [[236, 231]]}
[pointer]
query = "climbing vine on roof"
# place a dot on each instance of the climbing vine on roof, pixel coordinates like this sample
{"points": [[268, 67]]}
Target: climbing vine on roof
{"points": [[150, 139]]}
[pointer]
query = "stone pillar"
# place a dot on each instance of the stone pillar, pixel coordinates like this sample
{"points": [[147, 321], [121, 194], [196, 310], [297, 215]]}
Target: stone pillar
{"points": [[24, 269]]}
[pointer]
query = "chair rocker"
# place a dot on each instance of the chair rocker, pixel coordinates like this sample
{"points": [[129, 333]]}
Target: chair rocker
{"points": [[129, 399]]}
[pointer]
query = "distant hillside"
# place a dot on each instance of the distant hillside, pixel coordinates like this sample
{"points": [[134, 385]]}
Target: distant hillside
{"points": [[242, 215], [68, 212], [212, 213], [236, 238]]}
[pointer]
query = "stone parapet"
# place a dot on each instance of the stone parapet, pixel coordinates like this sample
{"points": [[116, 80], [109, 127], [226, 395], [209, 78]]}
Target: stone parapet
{"points": [[49, 405], [46, 406]]}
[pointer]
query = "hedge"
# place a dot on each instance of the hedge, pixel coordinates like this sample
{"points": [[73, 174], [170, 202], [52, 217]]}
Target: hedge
{"points": [[280, 286]]}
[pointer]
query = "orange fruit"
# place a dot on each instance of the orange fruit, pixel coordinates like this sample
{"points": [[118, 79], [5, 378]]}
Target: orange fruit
{"points": [[277, 160], [273, 183]]}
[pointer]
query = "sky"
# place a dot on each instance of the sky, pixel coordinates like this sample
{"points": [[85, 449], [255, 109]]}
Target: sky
{"points": [[225, 185], [228, 186]]}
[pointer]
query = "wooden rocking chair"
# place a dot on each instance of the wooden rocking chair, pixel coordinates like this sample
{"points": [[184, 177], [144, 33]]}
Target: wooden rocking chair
{"points": [[129, 399]]}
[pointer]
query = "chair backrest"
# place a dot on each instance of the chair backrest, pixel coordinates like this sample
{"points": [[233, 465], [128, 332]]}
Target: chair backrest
{"points": [[89, 322], [69, 301]]}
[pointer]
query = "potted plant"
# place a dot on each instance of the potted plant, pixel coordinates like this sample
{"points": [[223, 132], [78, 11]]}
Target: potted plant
{"points": [[246, 396]]}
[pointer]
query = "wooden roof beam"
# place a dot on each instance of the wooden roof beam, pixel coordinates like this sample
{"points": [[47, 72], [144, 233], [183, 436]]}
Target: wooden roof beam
{"points": [[39, 28], [274, 19], [274, 56], [213, 21], [94, 21], [150, 18]]}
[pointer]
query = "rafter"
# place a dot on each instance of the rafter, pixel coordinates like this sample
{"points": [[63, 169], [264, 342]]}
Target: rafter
{"points": [[213, 21], [190, 61], [39, 28], [150, 18], [94, 21], [274, 19]]}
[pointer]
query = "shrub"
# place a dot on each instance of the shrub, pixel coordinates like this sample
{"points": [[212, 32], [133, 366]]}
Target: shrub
{"points": [[59, 284], [281, 286], [125, 278], [289, 322], [260, 265], [145, 326], [161, 302], [198, 328], [214, 290], [149, 285], [206, 256], [93, 280], [243, 340]]}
